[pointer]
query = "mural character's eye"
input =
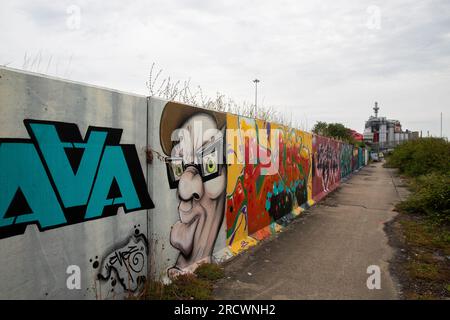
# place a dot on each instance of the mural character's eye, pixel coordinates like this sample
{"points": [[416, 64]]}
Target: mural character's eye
{"points": [[210, 163], [211, 166], [177, 169]]}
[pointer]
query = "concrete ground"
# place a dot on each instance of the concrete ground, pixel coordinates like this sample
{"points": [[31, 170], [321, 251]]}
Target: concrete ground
{"points": [[325, 253]]}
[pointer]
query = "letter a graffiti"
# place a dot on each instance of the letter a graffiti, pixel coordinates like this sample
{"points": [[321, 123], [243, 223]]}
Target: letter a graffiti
{"points": [[57, 178]]}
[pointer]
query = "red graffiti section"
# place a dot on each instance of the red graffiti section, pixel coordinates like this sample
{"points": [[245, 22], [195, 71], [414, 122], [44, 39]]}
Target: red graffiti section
{"points": [[263, 199]]}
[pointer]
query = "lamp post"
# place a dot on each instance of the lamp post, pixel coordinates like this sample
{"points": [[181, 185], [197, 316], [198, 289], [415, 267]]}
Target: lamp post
{"points": [[256, 81]]}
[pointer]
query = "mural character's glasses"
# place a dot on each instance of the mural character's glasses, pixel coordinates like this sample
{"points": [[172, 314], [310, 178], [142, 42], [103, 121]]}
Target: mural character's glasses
{"points": [[208, 162]]}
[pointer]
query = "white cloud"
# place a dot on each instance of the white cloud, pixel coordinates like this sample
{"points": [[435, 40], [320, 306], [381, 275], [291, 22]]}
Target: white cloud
{"points": [[314, 58]]}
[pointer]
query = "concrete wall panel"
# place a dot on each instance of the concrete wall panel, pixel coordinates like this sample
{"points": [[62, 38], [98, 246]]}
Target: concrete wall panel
{"points": [[34, 263]]}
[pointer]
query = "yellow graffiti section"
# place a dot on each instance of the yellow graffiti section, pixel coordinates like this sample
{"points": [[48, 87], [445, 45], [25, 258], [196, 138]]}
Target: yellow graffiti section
{"points": [[255, 199], [307, 154], [237, 130], [234, 153]]}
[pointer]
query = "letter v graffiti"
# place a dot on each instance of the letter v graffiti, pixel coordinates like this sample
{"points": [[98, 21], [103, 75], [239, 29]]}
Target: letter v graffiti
{"points": [[57, 178]]}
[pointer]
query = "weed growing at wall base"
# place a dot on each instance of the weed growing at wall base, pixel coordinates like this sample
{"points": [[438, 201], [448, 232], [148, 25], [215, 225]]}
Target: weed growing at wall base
{"points": [[190, 286]]}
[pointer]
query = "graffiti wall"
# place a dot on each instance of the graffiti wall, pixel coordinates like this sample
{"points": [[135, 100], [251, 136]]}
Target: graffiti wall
{"points": [[360, 157], [101, 190], [269, 178], [326, 160], [73, 191], [346, 160]]}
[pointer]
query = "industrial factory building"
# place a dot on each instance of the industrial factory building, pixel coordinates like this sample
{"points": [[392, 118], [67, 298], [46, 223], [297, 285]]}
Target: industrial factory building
{"points": [[383, 134]]}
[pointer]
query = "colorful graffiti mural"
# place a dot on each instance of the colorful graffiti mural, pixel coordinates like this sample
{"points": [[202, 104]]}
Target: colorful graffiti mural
{"points": [[268, 175], [192, 139], [256, 198], [57, 178]]}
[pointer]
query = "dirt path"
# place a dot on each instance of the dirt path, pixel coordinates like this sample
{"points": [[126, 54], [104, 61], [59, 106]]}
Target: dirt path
{"points": [[325, 253]]}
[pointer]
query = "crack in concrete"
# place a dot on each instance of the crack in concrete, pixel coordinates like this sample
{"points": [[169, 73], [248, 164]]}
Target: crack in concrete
{"points": [[335, 205], [363, 206]]}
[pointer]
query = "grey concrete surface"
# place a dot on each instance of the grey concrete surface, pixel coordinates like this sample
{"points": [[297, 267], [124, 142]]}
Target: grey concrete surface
{"points": [[325, 253], [34, 264]]}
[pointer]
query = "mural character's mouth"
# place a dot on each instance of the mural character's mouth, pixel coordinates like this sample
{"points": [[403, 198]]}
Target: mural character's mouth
{"points": [[186, 212], [182, 235]]}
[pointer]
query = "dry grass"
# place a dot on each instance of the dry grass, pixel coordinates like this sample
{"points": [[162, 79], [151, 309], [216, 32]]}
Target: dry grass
{"points": [[166, 88], [184, 287], [209, 271], [196, 286]]}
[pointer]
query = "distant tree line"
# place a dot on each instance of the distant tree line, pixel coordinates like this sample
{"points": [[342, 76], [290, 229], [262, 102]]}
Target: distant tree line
{"points": [[337, 131]]}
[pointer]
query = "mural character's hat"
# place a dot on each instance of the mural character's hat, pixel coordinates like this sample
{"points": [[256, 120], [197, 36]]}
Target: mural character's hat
{"points": [[173, 117]]}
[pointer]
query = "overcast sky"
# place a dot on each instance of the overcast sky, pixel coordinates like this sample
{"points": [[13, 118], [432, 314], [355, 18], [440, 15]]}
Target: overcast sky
{"points": [[320, 60]]}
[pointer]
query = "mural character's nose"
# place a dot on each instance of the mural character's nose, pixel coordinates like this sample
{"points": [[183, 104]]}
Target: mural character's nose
{"points": [[190, 185]]}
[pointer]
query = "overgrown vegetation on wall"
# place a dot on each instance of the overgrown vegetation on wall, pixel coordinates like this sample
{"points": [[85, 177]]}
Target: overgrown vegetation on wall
{"points": [[166, 88]]}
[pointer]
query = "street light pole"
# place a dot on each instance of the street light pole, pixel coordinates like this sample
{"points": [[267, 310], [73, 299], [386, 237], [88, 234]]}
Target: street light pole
{"points": [[256, 81]]}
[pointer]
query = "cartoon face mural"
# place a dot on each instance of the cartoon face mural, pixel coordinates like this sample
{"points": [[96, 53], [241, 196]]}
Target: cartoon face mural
{"points": [[326, 169], [194, 140], [57, 178], [256, 201]]}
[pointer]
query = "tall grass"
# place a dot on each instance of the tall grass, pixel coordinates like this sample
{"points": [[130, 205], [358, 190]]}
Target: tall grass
{"points": [[166, 88]]}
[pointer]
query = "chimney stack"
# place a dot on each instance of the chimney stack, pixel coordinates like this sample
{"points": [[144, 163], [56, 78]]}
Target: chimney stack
{"points": [[376, 109]]}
